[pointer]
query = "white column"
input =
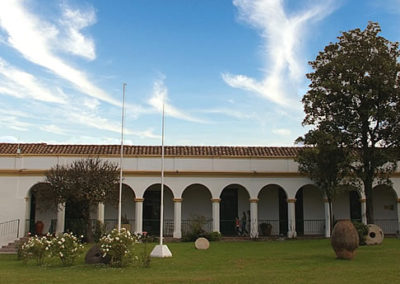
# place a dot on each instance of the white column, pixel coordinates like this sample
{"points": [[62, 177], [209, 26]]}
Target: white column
{"points": [[254, 218], [139, 215], [60, 218], [27, 216], [363, 202], [215, 214], [291, 219], [327, 219], [100, 212], [398, 216], [177, 218]]}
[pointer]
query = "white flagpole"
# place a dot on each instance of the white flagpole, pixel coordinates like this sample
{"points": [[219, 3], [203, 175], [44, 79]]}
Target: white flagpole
{"points": [[162, 250], [162, 179], [121, 158]]}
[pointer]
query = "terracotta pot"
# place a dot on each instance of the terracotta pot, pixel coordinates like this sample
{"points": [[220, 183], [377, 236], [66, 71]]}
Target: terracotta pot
{"points": [[344, 239], [39, 228]]}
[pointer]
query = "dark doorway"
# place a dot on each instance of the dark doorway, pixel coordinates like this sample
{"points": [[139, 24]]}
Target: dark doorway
{"points": [[151, 211], [75, 220], [355, 206], [32, 214], [299, 213], [283, 213], [228, 211]]}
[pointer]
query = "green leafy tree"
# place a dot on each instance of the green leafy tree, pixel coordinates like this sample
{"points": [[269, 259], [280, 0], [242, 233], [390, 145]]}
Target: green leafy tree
{"points": [[87, 181], [355, 88], [326, 162]]}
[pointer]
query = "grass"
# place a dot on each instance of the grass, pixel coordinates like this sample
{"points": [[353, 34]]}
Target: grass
{"points": [[291, 261]]}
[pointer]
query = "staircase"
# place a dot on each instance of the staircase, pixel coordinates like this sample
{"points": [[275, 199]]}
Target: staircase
{"points": [[12, 247]]}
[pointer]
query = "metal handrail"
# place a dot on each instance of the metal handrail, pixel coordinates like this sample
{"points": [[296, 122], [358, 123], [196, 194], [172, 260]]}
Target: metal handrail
{"points": [[9, 228]]}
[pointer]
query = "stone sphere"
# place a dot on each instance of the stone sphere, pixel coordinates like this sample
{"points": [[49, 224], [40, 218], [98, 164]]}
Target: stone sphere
{"points": [[344, 239], [375, 235], [202, 243]]}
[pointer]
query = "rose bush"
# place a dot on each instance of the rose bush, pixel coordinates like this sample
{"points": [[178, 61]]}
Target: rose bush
{"points": [[119, 246]]}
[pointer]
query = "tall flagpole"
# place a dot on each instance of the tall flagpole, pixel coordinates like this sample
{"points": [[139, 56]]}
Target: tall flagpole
{"points": [[121, 158], [162, 178], [162, 250]]}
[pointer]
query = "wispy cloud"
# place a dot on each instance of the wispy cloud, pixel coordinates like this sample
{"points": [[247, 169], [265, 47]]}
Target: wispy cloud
{"points": [[284, 64], [282, 131], [160, 96], [53, 129], [34, 39], [20, 84], [230, 113], [75, 42]]}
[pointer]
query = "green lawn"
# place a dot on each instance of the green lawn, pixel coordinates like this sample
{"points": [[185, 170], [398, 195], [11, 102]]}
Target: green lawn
{"points": [[294, 261]]}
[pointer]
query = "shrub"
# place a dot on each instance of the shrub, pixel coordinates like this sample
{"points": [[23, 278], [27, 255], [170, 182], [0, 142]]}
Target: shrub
{"points": [[67, 247], [362, 230], [214, 236], [119, 246], [99, 231], [36, 248], [196, 230], [144, 258]]}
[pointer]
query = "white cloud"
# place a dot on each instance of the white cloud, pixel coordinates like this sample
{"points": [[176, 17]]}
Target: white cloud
{"points": [[12, 122], [52, 129], [34, 39], [160, 96], [20, 84], [9, 139], [75, 42], [231, 113], [282, 131], [93, 120], [284, 65]]}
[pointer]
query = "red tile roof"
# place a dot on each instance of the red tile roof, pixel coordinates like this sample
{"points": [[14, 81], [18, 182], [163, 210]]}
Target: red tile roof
{"points": [[148, 151]]}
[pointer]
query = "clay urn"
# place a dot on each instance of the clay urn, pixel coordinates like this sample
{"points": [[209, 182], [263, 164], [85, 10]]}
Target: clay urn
{"points": [[344, 239]]}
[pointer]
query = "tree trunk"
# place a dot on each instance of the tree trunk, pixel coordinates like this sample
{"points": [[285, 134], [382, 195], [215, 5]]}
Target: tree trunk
{"points": [[330, 215], [369, 199]]}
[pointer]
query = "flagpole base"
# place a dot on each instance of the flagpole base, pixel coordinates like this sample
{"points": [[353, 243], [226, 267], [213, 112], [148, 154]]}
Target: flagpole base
{"points": [[161, 251]]}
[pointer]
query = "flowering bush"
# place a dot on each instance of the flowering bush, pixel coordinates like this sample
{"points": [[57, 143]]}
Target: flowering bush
{"points": [[67, 247], [36, 248], [119, 246], [144, 257]]}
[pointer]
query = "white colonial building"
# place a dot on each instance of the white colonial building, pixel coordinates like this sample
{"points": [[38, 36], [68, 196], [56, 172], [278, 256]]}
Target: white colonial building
{"points": [[217, 184]]}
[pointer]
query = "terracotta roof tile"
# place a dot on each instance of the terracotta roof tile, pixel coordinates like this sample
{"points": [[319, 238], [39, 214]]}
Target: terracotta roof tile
{"points": [[148, 151]]}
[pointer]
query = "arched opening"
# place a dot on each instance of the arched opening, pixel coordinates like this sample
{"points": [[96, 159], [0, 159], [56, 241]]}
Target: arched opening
{"points": [[127, 209], [234, 204], [151, 210], [273, 210], [310, 212], [384, 202], [42, 209], [347, 205], [196, 205]]}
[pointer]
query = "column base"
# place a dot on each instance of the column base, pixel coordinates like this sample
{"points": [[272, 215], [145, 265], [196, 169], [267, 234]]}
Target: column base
{"points": [[161, 251]]}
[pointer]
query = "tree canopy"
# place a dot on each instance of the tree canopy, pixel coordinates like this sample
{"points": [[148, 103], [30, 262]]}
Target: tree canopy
{"points": [[355, 89], [87, 182]]}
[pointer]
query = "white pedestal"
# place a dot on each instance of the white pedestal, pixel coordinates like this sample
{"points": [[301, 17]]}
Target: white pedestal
{"points": [[161, 251]]}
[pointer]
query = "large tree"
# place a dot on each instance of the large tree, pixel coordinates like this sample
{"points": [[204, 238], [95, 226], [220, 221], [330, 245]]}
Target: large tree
{"points": [[355, 88], [86, 182], [326, 161]]}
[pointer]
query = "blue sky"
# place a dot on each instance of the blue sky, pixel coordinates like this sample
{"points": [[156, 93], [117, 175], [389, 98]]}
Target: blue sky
{"points": [[230, 72]]}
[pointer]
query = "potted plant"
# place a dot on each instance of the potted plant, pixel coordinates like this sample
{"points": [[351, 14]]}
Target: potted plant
{"points": [[265, 229]]}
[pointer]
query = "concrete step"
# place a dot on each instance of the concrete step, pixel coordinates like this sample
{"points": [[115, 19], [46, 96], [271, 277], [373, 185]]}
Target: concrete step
{"points": [[12, 247]]}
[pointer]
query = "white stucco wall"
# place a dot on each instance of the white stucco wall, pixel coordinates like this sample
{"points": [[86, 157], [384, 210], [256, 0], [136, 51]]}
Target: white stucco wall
{"points": [[18, 176], [313, 210], [196, 202]]}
